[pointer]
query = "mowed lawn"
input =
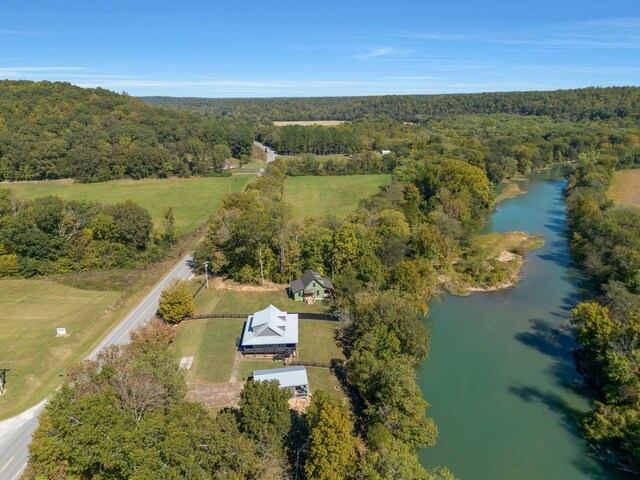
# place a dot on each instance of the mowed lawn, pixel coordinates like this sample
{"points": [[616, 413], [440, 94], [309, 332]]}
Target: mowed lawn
{"points": [[31, 312], [213, 342], [231, 297], [339, 195], [193, 200], [626, 187]]}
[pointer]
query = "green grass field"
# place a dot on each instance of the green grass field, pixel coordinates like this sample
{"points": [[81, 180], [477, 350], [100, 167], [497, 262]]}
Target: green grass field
{"points": [[244, 299], [318, 341], [626, 187], [193, 200], [317, 196], [31, 312], [212, 343]]}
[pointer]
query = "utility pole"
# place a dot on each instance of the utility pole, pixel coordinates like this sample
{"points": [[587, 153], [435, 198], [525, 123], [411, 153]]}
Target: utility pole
{"points": [[206, 273], [3, 378]]}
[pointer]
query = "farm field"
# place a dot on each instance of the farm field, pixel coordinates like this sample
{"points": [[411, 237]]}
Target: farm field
{"points": [[339, 195], [324, 123], [193, 200], [626, 187], [31, 312]]}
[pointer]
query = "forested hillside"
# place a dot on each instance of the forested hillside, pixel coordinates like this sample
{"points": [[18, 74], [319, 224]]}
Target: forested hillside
{"points": [[579, 104], [56, 130]]}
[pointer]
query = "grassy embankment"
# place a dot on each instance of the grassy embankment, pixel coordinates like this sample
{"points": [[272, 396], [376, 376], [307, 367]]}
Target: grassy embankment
{"points": [[509, 190], [626, 187], [193, 199], [90, 303], [212, 342], [339, 195]]}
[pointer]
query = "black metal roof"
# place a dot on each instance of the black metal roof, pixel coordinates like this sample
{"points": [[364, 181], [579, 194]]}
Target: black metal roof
{"points": [[308, 277]]}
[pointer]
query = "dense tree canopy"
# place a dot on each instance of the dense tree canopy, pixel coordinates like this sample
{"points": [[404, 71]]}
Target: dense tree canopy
{"points": [[53, 236], [56, 130], [606, 239], [124, 415], [586, 103]]}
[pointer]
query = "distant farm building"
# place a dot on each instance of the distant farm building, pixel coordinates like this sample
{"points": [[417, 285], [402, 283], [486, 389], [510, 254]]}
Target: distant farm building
{"points": [[270, 331], [293, 379], [311, 287]]}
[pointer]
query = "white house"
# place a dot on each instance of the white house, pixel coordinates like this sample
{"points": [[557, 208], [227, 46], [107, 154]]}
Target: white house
{"points": [[270, 331]]}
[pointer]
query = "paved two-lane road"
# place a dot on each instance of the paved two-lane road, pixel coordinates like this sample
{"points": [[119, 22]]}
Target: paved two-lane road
{"points": [[15, 433], [271, 154]]}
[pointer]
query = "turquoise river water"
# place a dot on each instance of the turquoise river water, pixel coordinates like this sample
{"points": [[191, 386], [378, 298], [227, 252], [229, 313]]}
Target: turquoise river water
{"points": [[500, 378]]}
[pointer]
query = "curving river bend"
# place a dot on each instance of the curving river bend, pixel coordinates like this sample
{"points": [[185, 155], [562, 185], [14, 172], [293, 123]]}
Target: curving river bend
{"points": [[500, 378]]}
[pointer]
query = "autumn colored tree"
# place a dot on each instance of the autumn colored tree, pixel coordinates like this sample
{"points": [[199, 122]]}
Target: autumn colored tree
{"points": [[176, 302], [332, 451]]}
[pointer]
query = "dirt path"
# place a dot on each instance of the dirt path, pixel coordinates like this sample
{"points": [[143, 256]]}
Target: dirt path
{"points": [[215, 395], [236, 365], [221, 283]]}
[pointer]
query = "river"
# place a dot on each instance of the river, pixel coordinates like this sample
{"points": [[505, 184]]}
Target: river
{"points": [[500, 377]]}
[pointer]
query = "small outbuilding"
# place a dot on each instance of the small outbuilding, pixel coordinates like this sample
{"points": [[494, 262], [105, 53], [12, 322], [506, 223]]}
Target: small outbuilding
{"points": [[311, 287], [293, 379], [270, 331]]}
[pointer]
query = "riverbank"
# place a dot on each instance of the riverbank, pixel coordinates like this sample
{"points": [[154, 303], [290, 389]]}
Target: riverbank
{"points": [[492, 262], [500, 377]]}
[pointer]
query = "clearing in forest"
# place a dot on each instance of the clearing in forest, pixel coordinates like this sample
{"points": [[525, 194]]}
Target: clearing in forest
{"points": [[212, 342], [626, 187], [335, 195], [193, 200], [32, 310]]}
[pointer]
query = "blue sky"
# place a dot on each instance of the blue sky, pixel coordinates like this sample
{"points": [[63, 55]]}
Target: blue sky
{"points": [[240, 48]]}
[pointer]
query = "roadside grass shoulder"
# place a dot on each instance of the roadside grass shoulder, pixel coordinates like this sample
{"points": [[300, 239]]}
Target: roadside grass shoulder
{"points": [[31, 312], [336, 195], [193, 200]]}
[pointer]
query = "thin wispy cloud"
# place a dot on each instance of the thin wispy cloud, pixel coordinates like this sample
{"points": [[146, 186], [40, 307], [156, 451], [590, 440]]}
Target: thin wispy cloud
{"points": [[437, 36], [23, 32], [37, 71], [225, 83], [605, 33], [380, 52], [416, 78]]}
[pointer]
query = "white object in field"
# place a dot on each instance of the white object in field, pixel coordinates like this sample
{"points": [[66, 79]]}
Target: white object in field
{"points": [[186, 362], [61, 331]]}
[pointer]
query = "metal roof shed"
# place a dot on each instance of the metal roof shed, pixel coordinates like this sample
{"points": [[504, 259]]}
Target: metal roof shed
{"points": [[292, 378]]}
